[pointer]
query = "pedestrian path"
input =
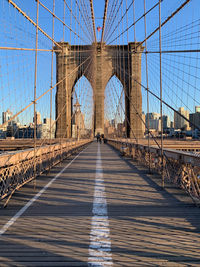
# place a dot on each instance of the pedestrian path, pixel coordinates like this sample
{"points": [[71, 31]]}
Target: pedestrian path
{"points": [[99, 210]]}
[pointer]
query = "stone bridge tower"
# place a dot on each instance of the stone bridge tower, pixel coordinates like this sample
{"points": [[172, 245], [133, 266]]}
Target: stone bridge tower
{"points": [[99, 63]]}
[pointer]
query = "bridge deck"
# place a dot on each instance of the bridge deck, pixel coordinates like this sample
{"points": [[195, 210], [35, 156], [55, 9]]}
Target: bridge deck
{"points": [[101, 208]]}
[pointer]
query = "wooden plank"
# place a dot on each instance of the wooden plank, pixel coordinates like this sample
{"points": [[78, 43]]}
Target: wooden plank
{"points": [[148, 225]]}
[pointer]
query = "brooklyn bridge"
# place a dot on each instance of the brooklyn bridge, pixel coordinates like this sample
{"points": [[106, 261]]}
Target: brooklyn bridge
{"points": [[99, 133]]}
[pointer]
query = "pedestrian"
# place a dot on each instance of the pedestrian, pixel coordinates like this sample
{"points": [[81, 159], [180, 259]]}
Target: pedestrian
{"points": [[98, 137], [102, 137]]}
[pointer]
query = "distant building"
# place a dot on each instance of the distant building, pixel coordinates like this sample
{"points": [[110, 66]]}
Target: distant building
{"points": [[10, 128], [2, 134], [16, 130], [121, 130], [166, 122], [47, 129], [110, 130], [25, 132], [154, 115], [154, 121], [106, 124], [113, 123], [197, 109], [195, 120], [38, 118], [7, 115], [47, 121], [78, 123], [179, 121]]}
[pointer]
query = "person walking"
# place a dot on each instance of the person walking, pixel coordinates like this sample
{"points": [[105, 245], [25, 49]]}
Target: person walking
{"points": [[98, 137]]}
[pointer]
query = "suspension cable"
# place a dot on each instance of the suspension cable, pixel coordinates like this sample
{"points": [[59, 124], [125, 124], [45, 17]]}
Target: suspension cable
{"points": [[35, 24], [47, 91], [168, 19], [76, 20], [104, 20], [135, 22], [114, 17], [110, 18], [147, 82], [165, 103], [64, 24], [93, 20], [122, 17]]}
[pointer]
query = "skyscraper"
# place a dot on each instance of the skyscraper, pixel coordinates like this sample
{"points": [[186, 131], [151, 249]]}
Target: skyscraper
{"points": [[197, 109], [38, 118], [179, 121], [6, 116], [166, 122], [195, 118]]}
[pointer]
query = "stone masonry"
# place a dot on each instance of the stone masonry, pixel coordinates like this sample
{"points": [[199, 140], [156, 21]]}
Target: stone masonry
{"points": [[99, 63]]}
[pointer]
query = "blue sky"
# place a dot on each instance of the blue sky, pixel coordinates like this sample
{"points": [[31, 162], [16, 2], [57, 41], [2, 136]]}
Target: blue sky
{"points": [[181, 71]]}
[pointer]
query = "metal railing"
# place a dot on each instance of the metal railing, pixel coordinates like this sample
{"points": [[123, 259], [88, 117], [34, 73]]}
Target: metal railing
{"points": [[20, 167], [179, 167]]}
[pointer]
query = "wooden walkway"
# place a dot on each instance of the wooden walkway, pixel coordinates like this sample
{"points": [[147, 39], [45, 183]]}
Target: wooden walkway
{"points": [[102, 210]]}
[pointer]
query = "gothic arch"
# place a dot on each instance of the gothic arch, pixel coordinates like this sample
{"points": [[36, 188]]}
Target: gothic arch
{"points": [[120, 107], [77, 79], [115, 74], [99, 63]]}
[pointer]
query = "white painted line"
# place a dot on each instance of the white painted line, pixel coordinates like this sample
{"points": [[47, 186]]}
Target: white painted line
{"points": [[100, 244], [30, 202]]}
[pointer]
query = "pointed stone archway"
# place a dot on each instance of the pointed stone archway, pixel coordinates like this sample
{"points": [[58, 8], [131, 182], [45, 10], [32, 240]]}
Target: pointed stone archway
{"points": [[98, 63]]}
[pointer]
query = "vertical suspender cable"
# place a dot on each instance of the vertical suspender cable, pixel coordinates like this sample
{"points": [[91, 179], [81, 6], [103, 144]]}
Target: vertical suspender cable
{"points": [[61, 117], [118, 61], [64, 3], [71, 24], [64, 21], [161, 111], [123, 62], [78, 60], [128, 59], [53, 22], [87, 20], [147, 82], [134, 24], [35, 94], [134, 35]]}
